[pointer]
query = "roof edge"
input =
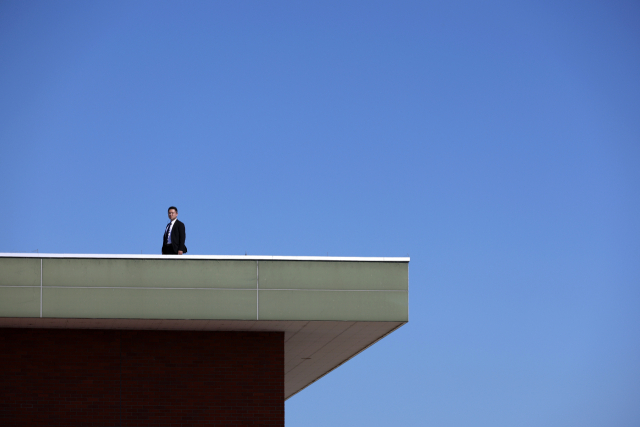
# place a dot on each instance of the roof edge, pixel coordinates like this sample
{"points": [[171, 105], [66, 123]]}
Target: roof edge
{"points": [[205, 257]]}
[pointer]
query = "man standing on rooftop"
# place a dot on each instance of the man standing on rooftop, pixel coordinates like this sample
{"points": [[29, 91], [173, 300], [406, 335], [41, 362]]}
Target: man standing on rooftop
{"points": [[174, 235]]}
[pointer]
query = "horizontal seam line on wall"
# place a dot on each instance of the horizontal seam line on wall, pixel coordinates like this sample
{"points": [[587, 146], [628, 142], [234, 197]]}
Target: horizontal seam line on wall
{"points": [[143, 287], [337, 290], [212, 289], [19, 286]]}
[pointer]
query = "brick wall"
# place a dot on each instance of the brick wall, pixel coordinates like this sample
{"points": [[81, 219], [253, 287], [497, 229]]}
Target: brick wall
{"points": [[67, 377]]}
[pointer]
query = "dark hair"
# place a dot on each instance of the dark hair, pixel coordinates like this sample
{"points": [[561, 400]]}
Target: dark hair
{"points": [[172, 207]]}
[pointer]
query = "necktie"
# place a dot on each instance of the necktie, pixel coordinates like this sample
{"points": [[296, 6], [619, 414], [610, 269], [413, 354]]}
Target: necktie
{"points": [[166, 233]]}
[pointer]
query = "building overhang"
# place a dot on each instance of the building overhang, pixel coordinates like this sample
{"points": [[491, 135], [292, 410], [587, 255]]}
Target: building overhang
{"points": [[329, 308]]}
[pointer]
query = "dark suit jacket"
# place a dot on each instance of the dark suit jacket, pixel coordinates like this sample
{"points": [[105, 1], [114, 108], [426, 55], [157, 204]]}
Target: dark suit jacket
{"points": [[178, 236]]}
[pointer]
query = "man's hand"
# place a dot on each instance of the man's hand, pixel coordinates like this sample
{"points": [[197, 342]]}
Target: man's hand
{"points": [[179, 252]]}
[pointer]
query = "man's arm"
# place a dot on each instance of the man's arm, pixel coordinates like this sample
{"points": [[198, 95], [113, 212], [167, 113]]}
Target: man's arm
{"points": [[182, 238]]}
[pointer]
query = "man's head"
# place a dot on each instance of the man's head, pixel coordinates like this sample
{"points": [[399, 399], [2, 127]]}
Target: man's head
{"points": [[173, 213]]}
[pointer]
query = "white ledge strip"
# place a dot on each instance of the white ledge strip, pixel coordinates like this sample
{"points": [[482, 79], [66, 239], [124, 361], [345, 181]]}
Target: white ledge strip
{"points": [[205, 257]]}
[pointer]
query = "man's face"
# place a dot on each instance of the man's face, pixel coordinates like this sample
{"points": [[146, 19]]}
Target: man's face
{"points": [[173, 214]]}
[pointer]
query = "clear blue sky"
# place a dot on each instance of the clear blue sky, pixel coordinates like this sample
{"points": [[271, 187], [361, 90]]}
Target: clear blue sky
{"points": [[497, 144]]}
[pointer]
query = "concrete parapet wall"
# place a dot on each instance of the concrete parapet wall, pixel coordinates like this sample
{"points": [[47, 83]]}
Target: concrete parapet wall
{"points": [[184, 288]]}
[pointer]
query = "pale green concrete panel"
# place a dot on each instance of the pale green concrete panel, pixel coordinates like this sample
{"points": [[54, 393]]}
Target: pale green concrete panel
{"points": [[335, 305], [161, 273], [20, 302], [19, 271], [149, 303], [334, 275]]}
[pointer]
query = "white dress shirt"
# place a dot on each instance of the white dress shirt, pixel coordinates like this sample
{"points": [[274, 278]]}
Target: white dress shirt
{"points": [[169, 234]]}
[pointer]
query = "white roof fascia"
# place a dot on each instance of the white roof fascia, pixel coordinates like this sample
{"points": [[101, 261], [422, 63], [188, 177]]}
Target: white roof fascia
{"points": [[205, 257]]}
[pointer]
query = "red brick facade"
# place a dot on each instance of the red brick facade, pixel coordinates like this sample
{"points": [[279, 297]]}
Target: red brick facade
{"points": [[67, 377]]}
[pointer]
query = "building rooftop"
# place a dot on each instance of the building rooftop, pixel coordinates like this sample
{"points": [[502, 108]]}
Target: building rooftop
{"points": [[329, 308]]}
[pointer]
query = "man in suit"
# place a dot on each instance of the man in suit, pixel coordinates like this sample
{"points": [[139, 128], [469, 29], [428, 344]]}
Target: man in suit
{"points": [[174, 235]]}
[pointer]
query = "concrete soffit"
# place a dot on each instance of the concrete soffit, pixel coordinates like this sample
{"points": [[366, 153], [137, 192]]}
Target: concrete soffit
{"points": [[312, 348]]}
